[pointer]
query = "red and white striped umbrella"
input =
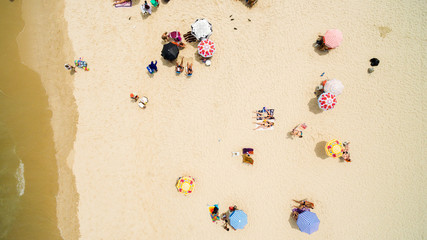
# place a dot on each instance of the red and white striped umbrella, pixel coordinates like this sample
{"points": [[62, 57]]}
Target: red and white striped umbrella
{"points": [[327, 101], [332, 38], [206, 48]]}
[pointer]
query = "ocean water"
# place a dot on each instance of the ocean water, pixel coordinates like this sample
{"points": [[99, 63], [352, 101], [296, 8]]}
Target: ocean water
{"points": [[28, 170]]}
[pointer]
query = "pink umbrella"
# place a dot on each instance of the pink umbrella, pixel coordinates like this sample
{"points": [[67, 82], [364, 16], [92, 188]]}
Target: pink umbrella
{"points": [[175, 35], [327, 101], [332, 38], [206, 48]]}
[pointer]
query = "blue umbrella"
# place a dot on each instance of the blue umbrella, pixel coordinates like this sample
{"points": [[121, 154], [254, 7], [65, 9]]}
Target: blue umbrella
{"points": [[238, 219], [308, 222]]}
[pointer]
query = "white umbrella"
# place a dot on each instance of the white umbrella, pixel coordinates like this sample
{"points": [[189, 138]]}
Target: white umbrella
{"points": [[201, 28], [334, 86]]}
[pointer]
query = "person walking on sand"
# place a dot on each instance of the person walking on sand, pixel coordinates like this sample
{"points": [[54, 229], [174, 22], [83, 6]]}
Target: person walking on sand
{"points": [[70, 68]]}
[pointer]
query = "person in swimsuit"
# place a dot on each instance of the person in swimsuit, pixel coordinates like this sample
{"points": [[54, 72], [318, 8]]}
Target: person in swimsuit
{"points": [[304, 204], [179, 67], [189, 69], [264, 124], [297, 131], [345, 153]]}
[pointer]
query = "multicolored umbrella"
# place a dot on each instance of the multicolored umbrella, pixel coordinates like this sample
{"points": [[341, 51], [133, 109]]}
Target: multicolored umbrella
{"points": [[334, 86], [201, 29], [332, 38], [175, 35], [185, 185], [334, 148], [327, 101], [308, 222], [206, 48], [238, 219]]}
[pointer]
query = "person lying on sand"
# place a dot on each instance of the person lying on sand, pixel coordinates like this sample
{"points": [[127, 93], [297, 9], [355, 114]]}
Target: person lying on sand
{"points": [[345, 153], [295, 215], [264, 124], [297, 131], [120, 1], [189, 69], [165, 36], [179, 68], [304, 204], [264, 115]]}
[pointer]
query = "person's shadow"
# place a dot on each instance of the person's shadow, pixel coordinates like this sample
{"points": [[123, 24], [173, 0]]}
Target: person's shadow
{"points": [[320, 150], [318, 51], [313, 106], [292, 222]]}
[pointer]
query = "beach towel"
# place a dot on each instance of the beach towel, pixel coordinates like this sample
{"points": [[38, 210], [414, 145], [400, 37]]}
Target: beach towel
{"points": [[261, 129], [125, 4], [247, 159], [248, 151], [215, 217], [260, 113], [150, 70]]}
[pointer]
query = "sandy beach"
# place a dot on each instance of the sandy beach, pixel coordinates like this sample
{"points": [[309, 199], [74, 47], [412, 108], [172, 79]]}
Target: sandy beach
{"points": [[126, 160]]}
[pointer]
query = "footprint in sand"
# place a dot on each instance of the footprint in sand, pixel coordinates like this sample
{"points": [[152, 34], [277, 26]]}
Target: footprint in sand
{"points": [[384, 31]]}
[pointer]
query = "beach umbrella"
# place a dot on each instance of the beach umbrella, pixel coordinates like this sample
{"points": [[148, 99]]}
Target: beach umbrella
{"points": [[185, 185], [308, 222], [206, 48], [175, 35], [327, 101], [332, 38], [334, 148], [170, 51], [334, 86], [201, 29], [238, 219]]}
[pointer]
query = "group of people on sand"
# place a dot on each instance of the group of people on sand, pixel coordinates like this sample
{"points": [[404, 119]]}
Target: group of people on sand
{"points": [[142, 103], [266, 116], [179, 68], [226, 217], [302, 207]]}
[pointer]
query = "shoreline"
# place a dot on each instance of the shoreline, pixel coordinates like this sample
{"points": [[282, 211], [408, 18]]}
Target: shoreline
{"points": [[53, 50]]}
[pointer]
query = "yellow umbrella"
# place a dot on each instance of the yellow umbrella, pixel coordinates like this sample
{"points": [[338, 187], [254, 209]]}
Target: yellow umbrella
{"points": [[334, 148], [185, 185]]}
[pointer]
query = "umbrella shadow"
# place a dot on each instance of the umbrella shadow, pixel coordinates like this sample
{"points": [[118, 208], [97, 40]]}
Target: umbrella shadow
{"points": [[292, 222], [313, 106], [318, 51], [320, 150], [135, 2], [167, 63]]}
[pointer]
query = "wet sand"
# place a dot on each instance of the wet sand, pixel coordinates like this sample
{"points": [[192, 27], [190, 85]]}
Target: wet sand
{"points": [[35, 90]]}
